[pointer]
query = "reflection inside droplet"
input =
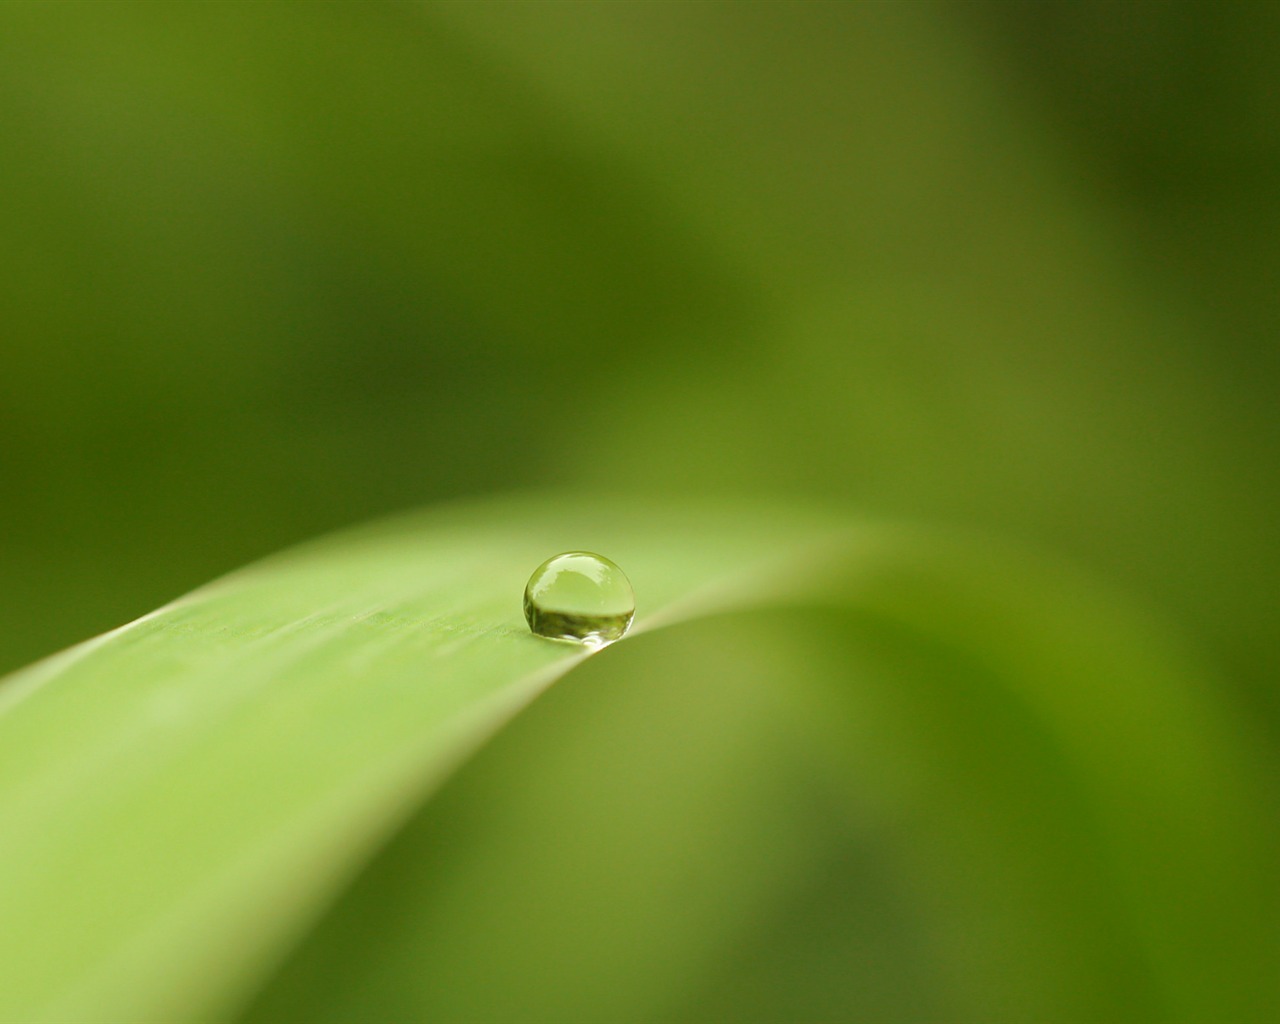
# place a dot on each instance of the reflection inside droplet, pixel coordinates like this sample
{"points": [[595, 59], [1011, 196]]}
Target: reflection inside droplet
{"points": [[579, 596]]}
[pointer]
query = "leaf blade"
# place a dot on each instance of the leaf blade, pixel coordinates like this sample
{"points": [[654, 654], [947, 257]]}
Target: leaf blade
{"points": [[179, 794]]}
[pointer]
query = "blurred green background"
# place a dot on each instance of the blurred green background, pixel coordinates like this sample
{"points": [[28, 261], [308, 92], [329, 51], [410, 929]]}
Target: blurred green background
{"points": [[273, 268], [267, 269]]}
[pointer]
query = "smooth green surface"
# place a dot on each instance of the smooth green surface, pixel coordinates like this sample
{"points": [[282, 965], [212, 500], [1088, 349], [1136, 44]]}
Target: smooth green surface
{"points": [[177, 794], [269, 269], [1038, 794]]}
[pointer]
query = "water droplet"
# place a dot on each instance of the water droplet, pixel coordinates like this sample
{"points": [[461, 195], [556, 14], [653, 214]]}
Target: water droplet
{"points": [[579, 596]]}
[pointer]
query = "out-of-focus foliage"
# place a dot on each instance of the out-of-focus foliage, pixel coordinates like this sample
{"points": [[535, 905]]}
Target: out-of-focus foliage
{"points": [[267, 269]]}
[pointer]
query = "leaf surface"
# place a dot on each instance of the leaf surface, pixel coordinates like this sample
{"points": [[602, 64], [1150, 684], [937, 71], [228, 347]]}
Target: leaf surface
{"points": [[177, 796], [184, 799]]}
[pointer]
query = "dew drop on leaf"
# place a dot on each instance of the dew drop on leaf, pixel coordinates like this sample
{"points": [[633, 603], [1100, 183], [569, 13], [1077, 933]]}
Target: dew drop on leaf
{"points": [[579, 596]]}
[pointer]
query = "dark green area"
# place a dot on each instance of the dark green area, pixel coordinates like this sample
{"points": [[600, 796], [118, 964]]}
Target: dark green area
{"points": [[268, 270]]}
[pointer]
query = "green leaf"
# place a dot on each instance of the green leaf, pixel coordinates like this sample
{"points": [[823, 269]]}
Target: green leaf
{"points": [[952, 784], [851, 732], [177, 795]]}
